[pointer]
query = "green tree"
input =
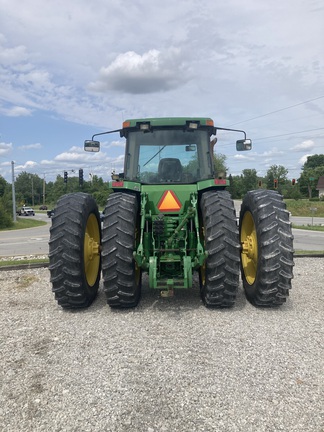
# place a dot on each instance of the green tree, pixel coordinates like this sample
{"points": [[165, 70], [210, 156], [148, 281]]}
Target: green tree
{"points": [[5, 217], [314, 161], [220, 164], [279, 173], [235, 188], [5, 205], [249, 180], [29, 189], [291, 191], [312, 169], [99, 189], [55, 189], [3, 186]]}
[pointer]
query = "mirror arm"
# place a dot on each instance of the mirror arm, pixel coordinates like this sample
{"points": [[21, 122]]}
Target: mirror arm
{"points": [[104, 133], [232, 130]]}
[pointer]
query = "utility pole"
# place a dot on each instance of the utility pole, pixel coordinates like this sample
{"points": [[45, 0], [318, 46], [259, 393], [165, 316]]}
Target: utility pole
{"points": [[32, 182], [13, 191], [44, 185]]}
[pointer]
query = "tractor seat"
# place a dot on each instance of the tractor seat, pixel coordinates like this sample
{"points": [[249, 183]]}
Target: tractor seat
{"points": [[170, 170]]}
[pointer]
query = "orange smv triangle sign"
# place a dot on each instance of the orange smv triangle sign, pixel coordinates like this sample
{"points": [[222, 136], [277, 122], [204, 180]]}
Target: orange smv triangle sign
{"points": [[169, 202]]}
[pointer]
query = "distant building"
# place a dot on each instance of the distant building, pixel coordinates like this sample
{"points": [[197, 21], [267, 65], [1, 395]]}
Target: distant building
{"points": [[320, 187]]}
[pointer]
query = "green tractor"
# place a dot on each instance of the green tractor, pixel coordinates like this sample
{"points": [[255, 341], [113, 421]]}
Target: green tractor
{"points": [[170, 215]]}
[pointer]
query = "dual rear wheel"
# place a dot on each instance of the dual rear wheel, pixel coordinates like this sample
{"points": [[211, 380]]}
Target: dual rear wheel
{"points": [[76, 250], [262, 249]]}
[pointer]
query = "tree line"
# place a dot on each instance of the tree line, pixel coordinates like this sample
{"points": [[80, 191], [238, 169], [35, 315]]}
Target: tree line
{"points": [[32, 190], [276, 178]]}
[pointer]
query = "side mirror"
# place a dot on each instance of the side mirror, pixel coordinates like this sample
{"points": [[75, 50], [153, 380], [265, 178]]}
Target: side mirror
{"points": [[243, 145], [91, 146], [191, 147]]}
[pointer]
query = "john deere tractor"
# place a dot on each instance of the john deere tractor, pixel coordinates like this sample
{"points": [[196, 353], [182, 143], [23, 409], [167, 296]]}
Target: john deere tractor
{"points": [[169, 216]]}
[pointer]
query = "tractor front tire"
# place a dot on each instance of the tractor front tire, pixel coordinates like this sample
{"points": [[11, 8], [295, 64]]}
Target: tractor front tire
{"points": [[74, 251], [267, 248], [122, 277], [219, 276]]}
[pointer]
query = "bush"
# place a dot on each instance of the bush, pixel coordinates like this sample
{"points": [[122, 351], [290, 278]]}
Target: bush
{"points": [[101, 197], [5, 217]]}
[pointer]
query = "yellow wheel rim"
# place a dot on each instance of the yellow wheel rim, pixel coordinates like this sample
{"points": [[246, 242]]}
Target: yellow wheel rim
{"points": [[249, 242], [92, 250]]}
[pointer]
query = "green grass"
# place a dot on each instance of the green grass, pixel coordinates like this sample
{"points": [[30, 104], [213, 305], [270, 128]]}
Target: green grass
{"points": [[22, 223], [23, 261], [302, 207], [309, 227], [307, 252]]}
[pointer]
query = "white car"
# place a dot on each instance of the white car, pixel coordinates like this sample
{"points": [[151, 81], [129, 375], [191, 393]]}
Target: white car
{"points": [[26, 211]]}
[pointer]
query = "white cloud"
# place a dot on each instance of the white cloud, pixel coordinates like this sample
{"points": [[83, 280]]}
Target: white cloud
{"points": [[243, 157], [304, 146], [76, 157], [17, 111], [26, 166], [12, 56], [272, 152], [152, 72], [114, 144], [69, 157], [36, 78], [303, 159], [35, 146], [5, 148]]}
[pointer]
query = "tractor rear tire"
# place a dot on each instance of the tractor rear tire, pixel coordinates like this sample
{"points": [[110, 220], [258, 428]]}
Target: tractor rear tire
{"points": [[74, 251], [122, 277], [219, 277], [267, 248]]}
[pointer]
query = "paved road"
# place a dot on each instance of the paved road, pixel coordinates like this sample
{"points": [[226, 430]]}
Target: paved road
{"points": [[308, 240], [299, 220], [303, 239], [30, 241], [34, 241]]}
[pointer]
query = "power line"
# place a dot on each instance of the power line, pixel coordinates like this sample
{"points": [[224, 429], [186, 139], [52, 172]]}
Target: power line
{"points": [[276, 111], [224, 144], [286, 134]]}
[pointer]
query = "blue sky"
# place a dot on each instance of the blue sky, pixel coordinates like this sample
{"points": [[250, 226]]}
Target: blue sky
{"points": [[72, 69]]}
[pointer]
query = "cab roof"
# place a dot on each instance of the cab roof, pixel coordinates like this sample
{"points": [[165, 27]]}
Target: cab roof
{"points": [[168, 121]]}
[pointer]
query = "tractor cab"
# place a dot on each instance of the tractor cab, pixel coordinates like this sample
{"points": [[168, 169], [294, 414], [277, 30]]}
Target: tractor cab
{"points": [[159, 153]]}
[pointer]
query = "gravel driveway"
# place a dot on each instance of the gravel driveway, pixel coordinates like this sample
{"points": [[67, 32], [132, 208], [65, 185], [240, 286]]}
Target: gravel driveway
{"points": [[168, 365]]}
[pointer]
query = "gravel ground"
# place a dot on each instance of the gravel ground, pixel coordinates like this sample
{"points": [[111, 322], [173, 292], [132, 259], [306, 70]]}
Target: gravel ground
{"points": [[168, 365]]}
